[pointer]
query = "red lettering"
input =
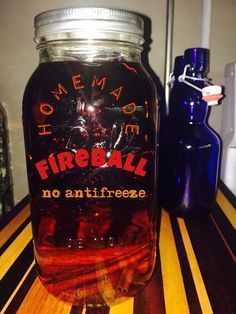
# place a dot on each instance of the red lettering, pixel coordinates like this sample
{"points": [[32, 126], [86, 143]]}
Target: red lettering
{"points": [[65, 161], [102, 82], [76, 81], [116, 92], [133, 128], [46, 109], [129, 108], [115, 160], [128, 163], [130, 68], [81, 158], [42, 167], [98, 157], [52, 162], [61, 89], [44, 131], [139, 169]]}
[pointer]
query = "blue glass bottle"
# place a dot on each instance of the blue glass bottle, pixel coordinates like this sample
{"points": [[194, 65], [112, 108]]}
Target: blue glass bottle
{"points": [[191, 148]]}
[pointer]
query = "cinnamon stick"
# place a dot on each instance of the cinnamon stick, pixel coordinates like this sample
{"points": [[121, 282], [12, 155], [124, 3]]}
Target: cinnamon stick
{"points": [[64, 258], [50, 266], [83, 279], [126, 279]]}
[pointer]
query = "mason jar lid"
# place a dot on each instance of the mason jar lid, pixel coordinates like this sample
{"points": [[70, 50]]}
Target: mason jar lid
{"points": [[89, 23]]}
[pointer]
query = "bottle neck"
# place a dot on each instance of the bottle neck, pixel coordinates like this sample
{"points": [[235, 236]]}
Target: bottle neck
{"points": [[186, 103], [197, 74], [89, 51], [192, 77]]}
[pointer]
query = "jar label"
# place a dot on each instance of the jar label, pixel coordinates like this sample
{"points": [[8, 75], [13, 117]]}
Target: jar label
{"points": [[91, 125]]}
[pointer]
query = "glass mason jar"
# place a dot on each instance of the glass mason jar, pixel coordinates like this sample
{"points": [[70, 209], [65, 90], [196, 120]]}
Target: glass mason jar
{"points": [[90, 127]]}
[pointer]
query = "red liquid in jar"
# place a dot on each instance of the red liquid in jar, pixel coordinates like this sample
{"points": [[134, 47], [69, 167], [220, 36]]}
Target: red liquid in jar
{"points": [[92, 245]]}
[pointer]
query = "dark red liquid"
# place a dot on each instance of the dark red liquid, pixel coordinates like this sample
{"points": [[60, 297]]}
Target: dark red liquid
{"points": [[92, 247]]}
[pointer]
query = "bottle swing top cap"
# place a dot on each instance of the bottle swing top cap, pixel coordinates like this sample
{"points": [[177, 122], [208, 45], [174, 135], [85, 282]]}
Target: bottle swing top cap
{"points": [[87, 23], [212, 94]]}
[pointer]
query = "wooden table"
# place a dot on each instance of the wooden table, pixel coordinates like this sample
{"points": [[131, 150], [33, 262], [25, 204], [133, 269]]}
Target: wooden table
{"points": [[195, 271]]}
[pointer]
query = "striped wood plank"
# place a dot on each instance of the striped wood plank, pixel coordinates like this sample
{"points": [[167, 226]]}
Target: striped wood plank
{"points": [[181, 283]]}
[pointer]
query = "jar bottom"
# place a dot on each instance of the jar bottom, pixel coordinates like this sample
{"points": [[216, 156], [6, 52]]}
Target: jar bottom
{"points": [[96, 277], [101, 299]]}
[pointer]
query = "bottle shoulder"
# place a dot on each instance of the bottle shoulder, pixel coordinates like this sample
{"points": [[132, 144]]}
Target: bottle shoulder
{"points": [[184, 94]]}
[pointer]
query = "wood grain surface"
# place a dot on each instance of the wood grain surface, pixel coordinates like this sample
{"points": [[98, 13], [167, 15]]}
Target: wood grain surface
{"points": [[195, 269]]}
